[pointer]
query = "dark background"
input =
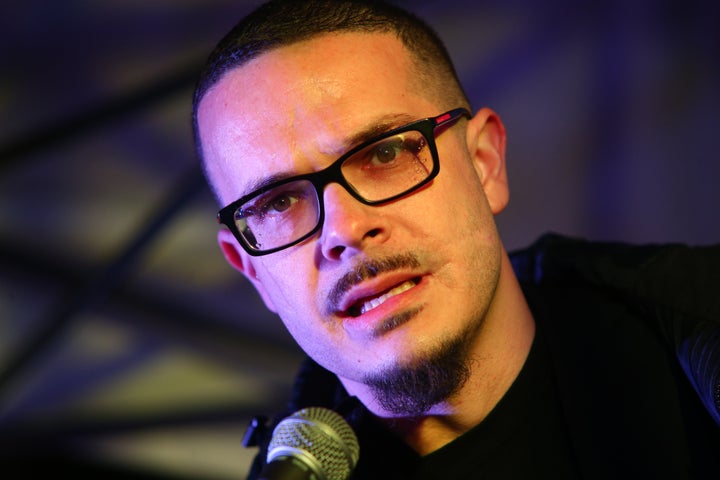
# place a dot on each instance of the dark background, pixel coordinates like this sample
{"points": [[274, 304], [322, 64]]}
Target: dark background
{"points": [[126, 342]]}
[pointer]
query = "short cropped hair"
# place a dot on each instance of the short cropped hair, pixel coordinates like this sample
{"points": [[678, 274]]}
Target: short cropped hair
{"points": [[280, 23]]}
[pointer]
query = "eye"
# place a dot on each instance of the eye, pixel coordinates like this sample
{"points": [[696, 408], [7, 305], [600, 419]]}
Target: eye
{"points": [[386, 152], [272, 203], [281, 203]]}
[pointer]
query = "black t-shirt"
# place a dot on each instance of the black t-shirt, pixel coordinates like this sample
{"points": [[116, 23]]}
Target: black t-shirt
{"points": [[524, 436]]}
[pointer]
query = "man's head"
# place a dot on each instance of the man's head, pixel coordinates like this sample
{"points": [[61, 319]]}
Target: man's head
{"points": [[400, 289]]}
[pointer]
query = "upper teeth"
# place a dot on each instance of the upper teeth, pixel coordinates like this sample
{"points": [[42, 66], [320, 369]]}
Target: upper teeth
{"points": [[376, 302]]}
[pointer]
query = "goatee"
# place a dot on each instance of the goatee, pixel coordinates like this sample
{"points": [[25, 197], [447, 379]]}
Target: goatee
{"points": [[411, 390]]}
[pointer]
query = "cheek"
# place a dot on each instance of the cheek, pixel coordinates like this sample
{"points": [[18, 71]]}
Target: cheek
{"points": [[293, 289], [289, 284], [458, 206]]}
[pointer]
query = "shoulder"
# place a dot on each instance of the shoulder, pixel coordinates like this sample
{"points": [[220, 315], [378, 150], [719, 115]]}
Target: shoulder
{"points": [[663, 294], [675, 277]]}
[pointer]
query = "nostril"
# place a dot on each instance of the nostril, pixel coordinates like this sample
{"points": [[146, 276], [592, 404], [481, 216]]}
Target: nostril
{"points": [[373, 233], [336, 252]]}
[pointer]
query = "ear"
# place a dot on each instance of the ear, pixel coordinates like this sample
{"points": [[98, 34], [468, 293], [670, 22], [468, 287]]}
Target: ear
{"points": [[486, 141], [241, 261]]}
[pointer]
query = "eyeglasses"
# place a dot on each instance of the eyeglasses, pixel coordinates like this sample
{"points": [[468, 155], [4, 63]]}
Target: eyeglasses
{"points": [[380, 170]]}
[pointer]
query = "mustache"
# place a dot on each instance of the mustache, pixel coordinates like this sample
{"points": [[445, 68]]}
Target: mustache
{"points": [[365, 270]]}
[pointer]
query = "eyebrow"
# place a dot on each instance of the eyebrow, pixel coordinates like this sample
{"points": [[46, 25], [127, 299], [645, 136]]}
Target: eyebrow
{"points": [[372, 130], [377, 127]]}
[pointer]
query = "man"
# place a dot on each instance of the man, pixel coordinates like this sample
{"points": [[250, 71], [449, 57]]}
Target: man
{"points": [[359, 194]]}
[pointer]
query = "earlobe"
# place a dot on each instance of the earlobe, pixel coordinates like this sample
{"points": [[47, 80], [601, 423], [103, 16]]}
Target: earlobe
{"points": [[242, 262], [486, 141]]}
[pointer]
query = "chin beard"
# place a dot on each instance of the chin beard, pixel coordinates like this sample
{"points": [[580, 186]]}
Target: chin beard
{"points": [[411, 390]]}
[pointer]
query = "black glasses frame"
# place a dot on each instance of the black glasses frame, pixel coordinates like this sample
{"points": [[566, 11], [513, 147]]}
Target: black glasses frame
{"points": [[333, 174]]}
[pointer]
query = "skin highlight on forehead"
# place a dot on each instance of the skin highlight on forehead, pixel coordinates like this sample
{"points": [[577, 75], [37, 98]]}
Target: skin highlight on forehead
{"points": [[304, 95]]}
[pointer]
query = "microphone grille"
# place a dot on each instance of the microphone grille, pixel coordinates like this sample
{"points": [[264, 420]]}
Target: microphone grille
{"points": [[319, 436]]}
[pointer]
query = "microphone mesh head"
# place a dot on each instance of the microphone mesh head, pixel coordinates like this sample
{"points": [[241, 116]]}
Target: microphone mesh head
{"points": [[321, 437]]}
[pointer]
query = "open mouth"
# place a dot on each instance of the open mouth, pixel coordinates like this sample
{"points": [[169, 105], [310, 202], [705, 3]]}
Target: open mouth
{"points": [[366, 304]]}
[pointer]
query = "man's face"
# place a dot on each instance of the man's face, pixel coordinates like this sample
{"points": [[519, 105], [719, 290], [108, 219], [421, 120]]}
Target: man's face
{"points": [[295, 110]]}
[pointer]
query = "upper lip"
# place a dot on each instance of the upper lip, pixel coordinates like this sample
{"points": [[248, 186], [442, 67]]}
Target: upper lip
{"points": [[372, 288]]}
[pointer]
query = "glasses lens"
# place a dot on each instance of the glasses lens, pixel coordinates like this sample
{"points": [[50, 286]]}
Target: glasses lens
{"points": [[279, 216], [389, 167]]}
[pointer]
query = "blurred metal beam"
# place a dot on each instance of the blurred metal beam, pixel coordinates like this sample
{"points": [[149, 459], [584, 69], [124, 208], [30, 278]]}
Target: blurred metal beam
{"points": [[108, 111], [97, 287]]}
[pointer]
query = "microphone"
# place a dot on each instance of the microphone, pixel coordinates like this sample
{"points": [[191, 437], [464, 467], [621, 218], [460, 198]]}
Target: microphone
{"points": [[311, 444]]}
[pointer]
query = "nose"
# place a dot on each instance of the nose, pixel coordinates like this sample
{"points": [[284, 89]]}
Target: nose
{"points": [[349, 225]]}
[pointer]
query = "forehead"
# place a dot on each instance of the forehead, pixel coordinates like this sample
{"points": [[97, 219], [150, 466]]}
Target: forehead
{"points": [[296, 108]]}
